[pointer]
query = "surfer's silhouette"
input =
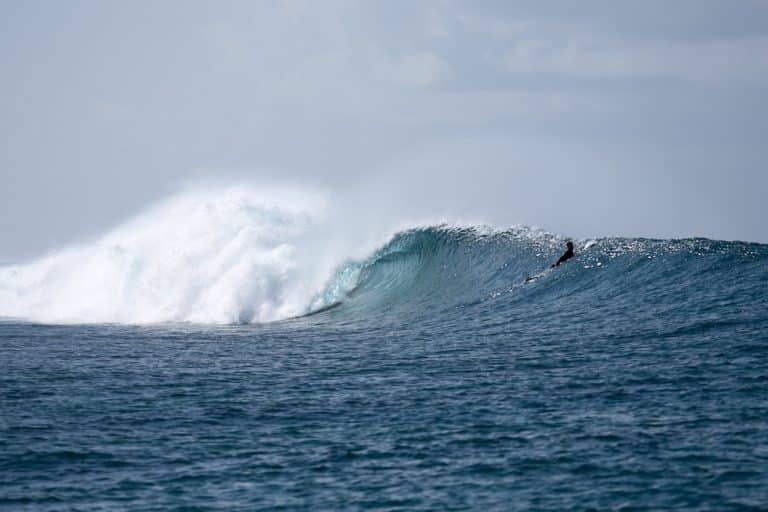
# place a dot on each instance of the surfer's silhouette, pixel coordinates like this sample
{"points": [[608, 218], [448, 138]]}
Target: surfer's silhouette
{"points": [[568, 254]]}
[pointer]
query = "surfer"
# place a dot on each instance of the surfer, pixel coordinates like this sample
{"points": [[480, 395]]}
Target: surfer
{"points": [[568, 254]]}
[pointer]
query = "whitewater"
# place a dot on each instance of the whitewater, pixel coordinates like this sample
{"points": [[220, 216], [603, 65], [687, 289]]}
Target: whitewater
{"points": [[229, 255], [264, 348]]}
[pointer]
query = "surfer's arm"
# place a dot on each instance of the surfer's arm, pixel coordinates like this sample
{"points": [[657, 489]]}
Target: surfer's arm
{"points": [[564, 257]]}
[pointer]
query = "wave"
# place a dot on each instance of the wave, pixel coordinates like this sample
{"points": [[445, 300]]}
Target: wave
{"points": [[424, 272], [242, 255]]}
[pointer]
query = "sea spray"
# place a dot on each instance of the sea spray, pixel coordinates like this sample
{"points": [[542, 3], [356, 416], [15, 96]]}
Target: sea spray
{"points": [[220, 255]]}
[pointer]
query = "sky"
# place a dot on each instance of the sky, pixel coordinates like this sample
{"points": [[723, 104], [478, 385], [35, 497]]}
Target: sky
{"points": [[590, 118]]}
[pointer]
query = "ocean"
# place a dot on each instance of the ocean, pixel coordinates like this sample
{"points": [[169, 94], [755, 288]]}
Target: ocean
{"points": [[179, 369]]}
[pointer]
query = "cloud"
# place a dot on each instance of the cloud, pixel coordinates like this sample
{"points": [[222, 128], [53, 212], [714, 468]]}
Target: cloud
{"points": [[743, 59], [416, 69]]}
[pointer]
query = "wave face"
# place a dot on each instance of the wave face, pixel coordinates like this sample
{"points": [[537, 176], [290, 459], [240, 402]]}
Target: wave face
{"points": [[238, 255], [473, 278]]}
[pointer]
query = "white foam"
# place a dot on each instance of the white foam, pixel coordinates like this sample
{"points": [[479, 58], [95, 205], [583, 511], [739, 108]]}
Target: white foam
{"points": [[221, 255]]}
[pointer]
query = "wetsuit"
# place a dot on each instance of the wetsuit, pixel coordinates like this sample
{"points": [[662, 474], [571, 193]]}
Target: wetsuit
{"points": [[565, 257]]}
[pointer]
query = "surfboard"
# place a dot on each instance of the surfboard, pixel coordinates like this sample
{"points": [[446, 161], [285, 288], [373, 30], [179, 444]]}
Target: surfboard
{"points": [[534, 277]]}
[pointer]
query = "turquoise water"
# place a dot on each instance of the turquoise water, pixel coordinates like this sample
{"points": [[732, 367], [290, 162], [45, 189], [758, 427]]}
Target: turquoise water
{"points": [[634, 376]]}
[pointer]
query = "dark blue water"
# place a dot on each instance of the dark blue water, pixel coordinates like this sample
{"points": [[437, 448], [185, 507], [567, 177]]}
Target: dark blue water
{"points": [[634, 377]]}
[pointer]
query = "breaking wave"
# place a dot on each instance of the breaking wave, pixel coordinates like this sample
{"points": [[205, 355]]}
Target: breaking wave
{"points": [[241, 255], [222, 256]]}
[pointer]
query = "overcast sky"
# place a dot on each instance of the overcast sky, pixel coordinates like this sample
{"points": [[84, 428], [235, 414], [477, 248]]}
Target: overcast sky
{"points": [[585, 118]]}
